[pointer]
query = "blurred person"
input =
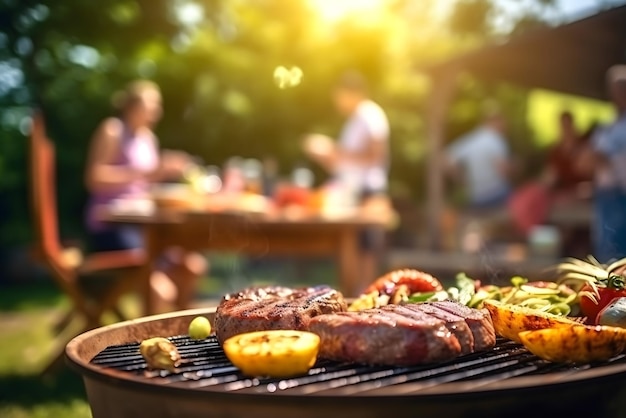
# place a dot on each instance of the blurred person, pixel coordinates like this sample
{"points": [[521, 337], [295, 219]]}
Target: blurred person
{"points": [[482, 159], [123, 162], [565, 183], [608, 164], [563, 174], [358, 161]]}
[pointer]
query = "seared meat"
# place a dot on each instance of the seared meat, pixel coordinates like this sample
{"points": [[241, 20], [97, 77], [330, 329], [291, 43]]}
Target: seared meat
{"points": [[478, 320], [455, 324], [274, 307], [391, 335], [404, 334]]}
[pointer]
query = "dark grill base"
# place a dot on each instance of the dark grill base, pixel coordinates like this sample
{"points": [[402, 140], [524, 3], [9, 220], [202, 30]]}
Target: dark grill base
{"points": [[204, 365], [504, 382]]}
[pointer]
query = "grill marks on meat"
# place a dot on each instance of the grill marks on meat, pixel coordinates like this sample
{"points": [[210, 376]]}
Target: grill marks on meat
{"points": [[391, 335], [454, 323], [404, 334], [274, 307], [478, 320], [384, 336]]}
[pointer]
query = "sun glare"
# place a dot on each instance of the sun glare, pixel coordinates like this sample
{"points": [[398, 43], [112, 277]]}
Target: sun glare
{"points": [[333, 10]]}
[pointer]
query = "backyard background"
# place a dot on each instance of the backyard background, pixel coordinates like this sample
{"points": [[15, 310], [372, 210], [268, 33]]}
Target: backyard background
{"points": [[215, 60]]}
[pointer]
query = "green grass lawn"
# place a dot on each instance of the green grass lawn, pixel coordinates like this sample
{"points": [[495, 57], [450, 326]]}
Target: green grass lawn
{"points": [[28, 312], [27, 315]]}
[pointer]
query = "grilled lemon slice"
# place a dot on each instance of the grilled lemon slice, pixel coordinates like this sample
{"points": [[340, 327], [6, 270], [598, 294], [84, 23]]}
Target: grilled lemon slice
{"points": [[509, 320], [576, 343], [275, 353]]}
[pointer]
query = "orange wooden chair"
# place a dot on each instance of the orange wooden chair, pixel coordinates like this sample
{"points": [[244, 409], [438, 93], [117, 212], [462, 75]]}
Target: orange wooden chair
{"points": [[94, 284]]}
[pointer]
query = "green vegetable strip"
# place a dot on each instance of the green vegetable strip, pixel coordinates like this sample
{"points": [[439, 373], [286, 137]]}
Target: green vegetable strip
{"points": [[560, 300]]}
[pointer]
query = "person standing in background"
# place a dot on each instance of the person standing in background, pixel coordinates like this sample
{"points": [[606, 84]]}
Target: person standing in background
{"points": [[481, 157], [565, 186], [360, 158], [480, 161], [359, 161], [608, 163], [562, 172], [123, 162]]}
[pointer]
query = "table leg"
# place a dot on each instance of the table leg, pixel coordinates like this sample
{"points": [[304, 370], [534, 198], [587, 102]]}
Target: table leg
{"points": [[348, 260], [368, 262], [152, 251]]}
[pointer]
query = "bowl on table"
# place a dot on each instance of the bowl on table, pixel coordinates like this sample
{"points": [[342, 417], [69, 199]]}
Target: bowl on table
{"points": [[173, 196], [132, 206]]}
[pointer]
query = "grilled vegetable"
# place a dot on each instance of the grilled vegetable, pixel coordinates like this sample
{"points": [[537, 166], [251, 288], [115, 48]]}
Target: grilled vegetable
{"points": [[597, 284], [415, 281], [509, 320], [548, 297], [395, 287], [275, 353], [464, 290], [576, 343], [605, 292], [160, 353], [613, 314], [369, 300], [199, 328]]}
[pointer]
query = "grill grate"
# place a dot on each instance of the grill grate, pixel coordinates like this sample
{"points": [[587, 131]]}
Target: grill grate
{"points": [[204, 365]]}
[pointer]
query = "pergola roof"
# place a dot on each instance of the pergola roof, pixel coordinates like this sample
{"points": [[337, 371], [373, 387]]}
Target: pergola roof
{"points": [[571, 58]]}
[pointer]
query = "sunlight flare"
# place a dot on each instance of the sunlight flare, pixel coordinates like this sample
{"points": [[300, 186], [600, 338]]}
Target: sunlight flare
{"points": [[287, 77], [333, 10]]}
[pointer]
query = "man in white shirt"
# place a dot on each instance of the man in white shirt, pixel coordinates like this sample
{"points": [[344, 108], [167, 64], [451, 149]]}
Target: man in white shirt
{"points": [[482, 159], [360, 159]]}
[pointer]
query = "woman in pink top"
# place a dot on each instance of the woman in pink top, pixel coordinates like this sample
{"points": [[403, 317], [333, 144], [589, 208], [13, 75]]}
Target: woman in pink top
{"points": [[124, 160]]}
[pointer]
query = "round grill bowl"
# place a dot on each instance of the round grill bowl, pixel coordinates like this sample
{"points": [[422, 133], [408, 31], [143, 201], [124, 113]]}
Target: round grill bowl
{"points": [[593, 392]]}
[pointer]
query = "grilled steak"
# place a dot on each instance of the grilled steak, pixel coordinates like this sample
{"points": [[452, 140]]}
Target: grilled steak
{"points": [[274, 307], [455, 324], [478, 320], [404, 334], [391, 335]]}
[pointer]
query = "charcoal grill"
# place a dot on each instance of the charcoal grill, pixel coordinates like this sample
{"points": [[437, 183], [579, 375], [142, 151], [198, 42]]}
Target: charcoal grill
{"points": [[507, 381]]}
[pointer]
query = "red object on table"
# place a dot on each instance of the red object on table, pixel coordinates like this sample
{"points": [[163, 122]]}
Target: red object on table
{"points": [[288, 194], [529, 206]]}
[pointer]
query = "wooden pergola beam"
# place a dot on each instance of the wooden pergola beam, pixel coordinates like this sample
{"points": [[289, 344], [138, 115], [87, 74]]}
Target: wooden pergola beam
{"points": [[441, 91], [571, 58]]}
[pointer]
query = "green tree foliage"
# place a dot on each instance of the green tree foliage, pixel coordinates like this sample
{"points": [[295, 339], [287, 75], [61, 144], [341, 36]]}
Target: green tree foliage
{"points": [[65, 57], [472, 17], [214, 60]]}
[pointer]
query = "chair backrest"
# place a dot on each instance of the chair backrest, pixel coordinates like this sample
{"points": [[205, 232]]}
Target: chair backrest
{"points": [[43, 199]]}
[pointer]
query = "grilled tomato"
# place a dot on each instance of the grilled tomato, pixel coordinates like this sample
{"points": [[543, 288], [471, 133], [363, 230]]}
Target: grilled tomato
{"points": [[509, 320], [576, 343], [275, 353], [591, 304], [597, 284]]}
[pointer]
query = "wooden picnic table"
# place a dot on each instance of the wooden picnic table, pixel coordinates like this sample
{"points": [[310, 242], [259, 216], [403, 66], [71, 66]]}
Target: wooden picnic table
{"points": [[256, 235]]}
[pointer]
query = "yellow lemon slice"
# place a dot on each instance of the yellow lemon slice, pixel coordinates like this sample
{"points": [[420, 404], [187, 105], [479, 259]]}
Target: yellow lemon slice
{"points": [[275, 353]]}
